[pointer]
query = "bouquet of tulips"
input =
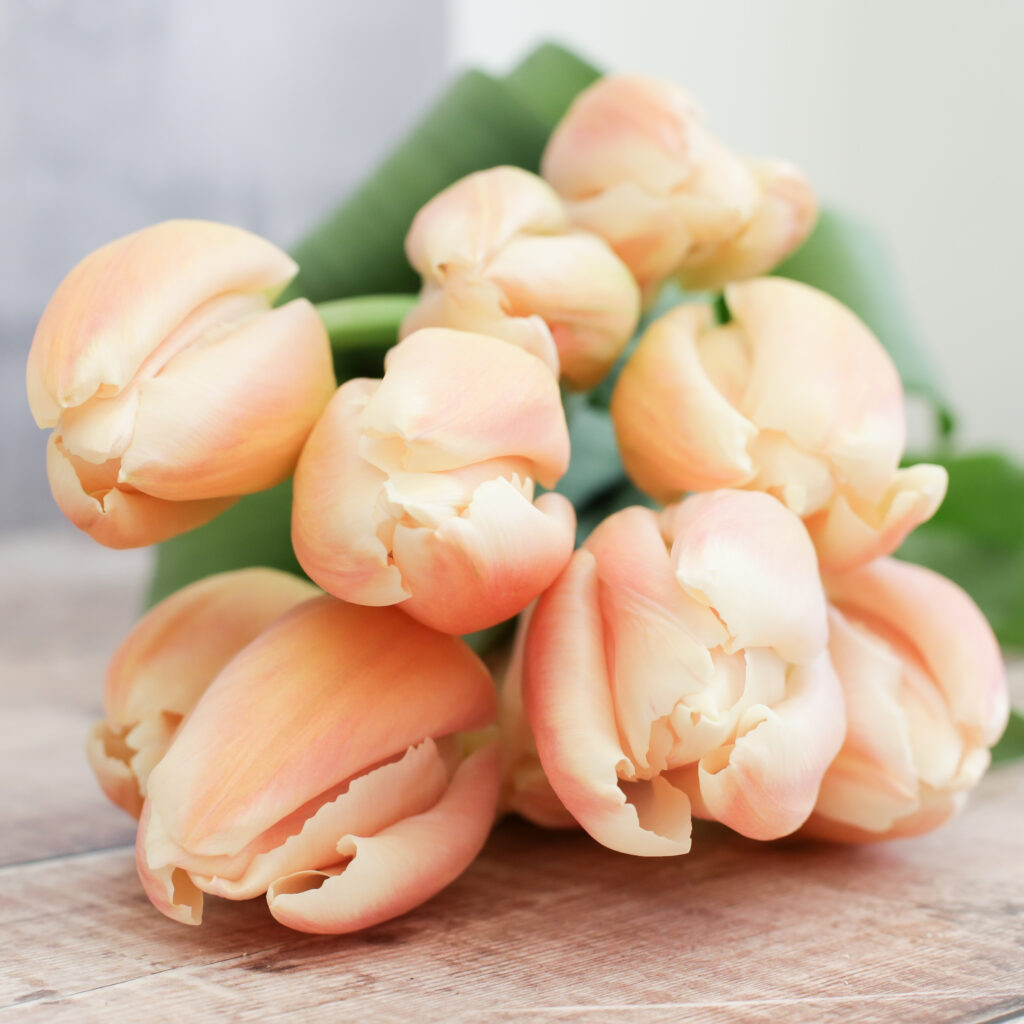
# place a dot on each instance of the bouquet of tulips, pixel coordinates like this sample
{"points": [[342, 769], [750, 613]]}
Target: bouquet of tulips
{"points": [[604, 540]]}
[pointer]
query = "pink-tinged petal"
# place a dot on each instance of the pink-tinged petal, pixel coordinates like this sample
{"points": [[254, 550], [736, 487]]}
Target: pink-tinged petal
{"points": [[676, 430], [469, 303], [936, 808], [568, 700], [119, 304], [478, 569], [821, 377], [922, 612], [785, 216], [324, 693], [658, 651], [454, 398], [370, 803], [251, 397], [122, 517], [580, 289], [745, 555], [525, 788], [765, 785], [871, 783], [400, 867], [335, 510], [851, 532], [470, 221], [169, 659], [169, 888], [624, 128]]}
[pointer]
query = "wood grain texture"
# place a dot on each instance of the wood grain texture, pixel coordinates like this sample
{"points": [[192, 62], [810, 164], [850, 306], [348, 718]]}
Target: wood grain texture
{"points": [[544, 927]]}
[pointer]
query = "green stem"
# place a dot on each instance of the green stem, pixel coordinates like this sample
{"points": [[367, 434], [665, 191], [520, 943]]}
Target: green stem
{"points": [[367, 321]]}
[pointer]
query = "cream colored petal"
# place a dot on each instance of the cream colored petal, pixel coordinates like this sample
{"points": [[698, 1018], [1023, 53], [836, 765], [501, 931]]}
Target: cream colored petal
{"points": [[765, 786], [231, 417], [324, 693], [581, 290], [123, 518], [745, 555], [851, 532], [485, 566], [676, 431], [453, 398], [120, 303], [568, 700], [400, 867], [169, 888], [933, 618], [337, 511], [467, 223]]}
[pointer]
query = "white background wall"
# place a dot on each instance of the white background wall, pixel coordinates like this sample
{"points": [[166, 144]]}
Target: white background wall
{"points": [[909, 112]]}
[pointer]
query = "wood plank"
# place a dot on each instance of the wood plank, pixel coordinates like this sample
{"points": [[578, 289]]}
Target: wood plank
{"points": [[552, 927]]}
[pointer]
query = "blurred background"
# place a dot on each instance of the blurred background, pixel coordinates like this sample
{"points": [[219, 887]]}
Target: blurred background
{"points": [[118, 113]]}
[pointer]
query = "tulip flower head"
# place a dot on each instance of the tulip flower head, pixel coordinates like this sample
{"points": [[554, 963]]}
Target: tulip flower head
{"points": [[166, 664], [636, 165], [679, 666], [498, 256], [417, 489], [926, 697], [171, 385], [343, 761], [795, 397]]}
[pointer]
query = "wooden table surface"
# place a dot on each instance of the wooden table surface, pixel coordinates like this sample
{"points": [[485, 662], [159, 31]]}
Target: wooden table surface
{"points": [[544, 927]]}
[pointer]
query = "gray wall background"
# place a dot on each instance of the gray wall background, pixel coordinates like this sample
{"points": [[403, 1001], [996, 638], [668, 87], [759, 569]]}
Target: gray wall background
{"points": [[115, 114]]}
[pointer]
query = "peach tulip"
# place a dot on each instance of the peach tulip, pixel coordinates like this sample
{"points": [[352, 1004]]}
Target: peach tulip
{"points": [[525, 788], [498, 256], [343, 762], [169, 659], [796, 397], [171, 385], [926, 697], [636, 165], [679, 666], [418, 489]]}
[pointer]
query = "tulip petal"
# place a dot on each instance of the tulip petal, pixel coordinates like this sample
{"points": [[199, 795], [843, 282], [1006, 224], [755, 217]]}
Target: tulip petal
{"points": [[676, 430], [766, 784], [331, 678], [438, 398], [123, 518], [480, 568], [169, 888], [120, 303], [746, 556], [401, 866], [568, 700], [335, 517], [252, 398]]}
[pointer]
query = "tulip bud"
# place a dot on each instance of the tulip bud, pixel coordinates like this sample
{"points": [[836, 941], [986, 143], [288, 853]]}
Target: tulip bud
{"points": [[525, 788], [171, 385], [679, 665], [926, 697], [635, 165], [166, 663], [794, 397], [498, 256], [335, 763], [418, 489]]}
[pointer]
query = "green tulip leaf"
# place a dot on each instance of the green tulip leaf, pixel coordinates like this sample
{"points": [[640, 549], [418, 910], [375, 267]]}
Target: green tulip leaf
{"points": [[1011, 746]]}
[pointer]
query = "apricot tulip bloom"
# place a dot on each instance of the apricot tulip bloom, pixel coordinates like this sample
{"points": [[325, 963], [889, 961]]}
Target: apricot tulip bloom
{"points": [[795, 397], [498, 256], [169, 659], [636, 165], [171, 385], [418, 489], [343, 762], [679, 666], [926, 697]]}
